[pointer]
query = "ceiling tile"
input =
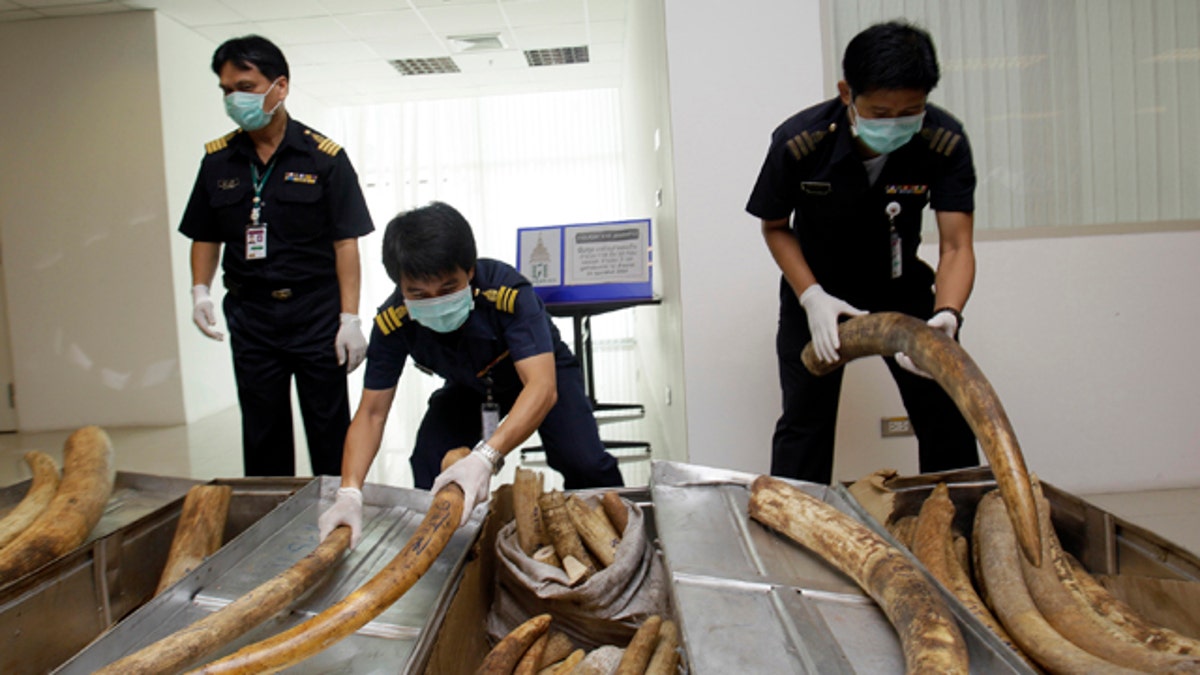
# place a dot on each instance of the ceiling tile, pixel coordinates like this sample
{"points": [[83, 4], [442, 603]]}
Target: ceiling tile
{"points": [[336, 7], [542, 12], [464, 19], [450, 3], [304, 31], [80, 10], [606, 52], [607, 10], [222, 32], [416, 47], [330, 52], [545, 37], [265, 10], [337, 71], [191, 13], [606, 31], [491, 61], [383, 25]]}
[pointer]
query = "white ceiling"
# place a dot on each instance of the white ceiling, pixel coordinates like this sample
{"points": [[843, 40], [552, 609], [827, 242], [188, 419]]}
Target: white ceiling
{"points": [[339, 50]]}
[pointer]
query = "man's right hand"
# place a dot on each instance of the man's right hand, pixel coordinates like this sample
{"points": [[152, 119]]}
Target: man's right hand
{"points": [[823, 311], [347, 510], [203, 314]]}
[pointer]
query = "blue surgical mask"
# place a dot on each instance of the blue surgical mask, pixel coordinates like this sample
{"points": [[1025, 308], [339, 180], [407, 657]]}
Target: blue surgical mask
{"points": [[246, 108], [886, 135], [444, 314]]}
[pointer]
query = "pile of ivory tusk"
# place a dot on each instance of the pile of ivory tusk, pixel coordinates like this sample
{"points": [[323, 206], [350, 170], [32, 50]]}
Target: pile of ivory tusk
{"points": [[532, 648], [1027, 590], [56, 515]]}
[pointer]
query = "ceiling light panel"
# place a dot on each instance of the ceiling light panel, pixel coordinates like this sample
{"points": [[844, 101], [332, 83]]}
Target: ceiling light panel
{"points": [[556, 56], [440, 65]]}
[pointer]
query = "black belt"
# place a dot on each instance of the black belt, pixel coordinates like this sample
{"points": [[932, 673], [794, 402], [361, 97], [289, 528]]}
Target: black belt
{"points": [[261, 291]]}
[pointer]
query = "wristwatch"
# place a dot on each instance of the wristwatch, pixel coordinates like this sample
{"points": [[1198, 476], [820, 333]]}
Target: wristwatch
{"points": [[491, 454]]}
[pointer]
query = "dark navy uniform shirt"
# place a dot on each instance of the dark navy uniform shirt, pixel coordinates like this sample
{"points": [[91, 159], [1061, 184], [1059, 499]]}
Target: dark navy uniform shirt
{"points": [[814, 175], [310, 199], [508, 316]]}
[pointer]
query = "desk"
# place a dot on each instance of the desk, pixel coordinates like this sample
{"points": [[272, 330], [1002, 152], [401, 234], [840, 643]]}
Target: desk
{"points": [[581, 314]]}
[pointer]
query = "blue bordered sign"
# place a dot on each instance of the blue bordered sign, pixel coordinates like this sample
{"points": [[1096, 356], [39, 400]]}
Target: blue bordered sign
{"points": [[588, 261]]}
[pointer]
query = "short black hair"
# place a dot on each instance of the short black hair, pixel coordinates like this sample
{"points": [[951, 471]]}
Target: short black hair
{"points": [[251, 51], [891, 55], [428, 242]]}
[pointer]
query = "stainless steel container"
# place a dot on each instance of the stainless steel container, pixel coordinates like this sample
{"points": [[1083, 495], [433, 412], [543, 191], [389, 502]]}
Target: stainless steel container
{"points": [[396, 641]]}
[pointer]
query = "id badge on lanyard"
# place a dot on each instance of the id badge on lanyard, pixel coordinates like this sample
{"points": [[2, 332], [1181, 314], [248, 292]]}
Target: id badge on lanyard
{"points": [[489, 410], [893, 210], [256, 231]]}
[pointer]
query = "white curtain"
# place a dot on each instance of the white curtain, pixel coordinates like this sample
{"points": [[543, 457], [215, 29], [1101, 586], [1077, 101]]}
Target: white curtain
{"points": [[504, 162], [1077, 109]]}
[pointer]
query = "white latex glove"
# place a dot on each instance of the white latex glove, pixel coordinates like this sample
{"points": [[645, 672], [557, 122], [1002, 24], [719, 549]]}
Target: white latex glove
{"points": [[943, 321], [473, 474], [350, 344], [203, 314], [347, 510], [823, 311]]}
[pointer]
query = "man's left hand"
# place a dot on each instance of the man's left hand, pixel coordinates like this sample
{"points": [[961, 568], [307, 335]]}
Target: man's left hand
{"points": [[473, 474], [350, 345], [944, 321]]}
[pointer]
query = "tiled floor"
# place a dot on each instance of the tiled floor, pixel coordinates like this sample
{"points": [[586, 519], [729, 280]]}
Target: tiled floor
{"points": [[211, 448]]}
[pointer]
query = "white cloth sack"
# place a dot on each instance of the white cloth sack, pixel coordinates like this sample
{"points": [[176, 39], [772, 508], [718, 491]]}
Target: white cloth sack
{"points": [[605, 609]]}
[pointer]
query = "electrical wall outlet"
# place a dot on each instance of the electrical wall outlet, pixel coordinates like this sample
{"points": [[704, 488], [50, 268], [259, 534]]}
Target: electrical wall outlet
{"points": [[895, 426]]}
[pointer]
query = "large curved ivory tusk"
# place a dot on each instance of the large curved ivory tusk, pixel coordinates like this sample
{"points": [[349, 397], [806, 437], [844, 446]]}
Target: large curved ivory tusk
{"points": [[87, 482], [929, 635], [41, 491], [357, 609], [886, 333]]}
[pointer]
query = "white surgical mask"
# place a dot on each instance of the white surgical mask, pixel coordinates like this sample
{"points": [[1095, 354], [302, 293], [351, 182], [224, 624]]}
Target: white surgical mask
{"points": [[246, 108], [887, 134], [444, 314]]}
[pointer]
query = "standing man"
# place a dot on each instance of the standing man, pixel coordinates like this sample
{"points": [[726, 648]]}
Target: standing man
{"points": [[853, 175], [285, 203], [478, 324]]}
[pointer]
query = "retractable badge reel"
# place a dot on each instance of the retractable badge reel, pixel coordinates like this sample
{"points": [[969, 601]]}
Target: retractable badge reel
{"points": [[893, 210], [256, 231]]}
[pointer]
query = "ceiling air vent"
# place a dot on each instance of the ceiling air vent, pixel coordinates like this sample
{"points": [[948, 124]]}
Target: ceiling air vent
{"points": [[482, 42], [433, 66], [556, 56]]}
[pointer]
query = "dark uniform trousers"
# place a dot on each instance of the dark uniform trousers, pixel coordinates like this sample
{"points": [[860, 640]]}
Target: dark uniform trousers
{"points": [[274, 340], [569, 433], [803, 444]]}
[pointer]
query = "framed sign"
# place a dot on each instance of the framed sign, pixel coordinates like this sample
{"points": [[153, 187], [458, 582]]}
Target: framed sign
{"points": [[587, 261]]}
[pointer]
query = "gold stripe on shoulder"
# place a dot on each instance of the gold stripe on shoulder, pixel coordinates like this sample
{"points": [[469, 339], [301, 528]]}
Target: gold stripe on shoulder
{"points": [[382, 324], [510, 301], [397, 314], [795, 148], [220, 143], [329, 147], [951, 145]]}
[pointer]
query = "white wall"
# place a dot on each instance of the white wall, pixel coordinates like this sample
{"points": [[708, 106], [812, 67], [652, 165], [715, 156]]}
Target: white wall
{"points": [[734, 74], [648, 169], [192, 115], [1088, 340], [83, 218]]}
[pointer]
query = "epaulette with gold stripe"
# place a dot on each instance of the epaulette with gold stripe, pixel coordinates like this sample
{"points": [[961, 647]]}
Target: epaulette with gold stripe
{"points": [[391, 318], [504, 298], [221, 143], [941, 141], [805, 142], [324, 144]]}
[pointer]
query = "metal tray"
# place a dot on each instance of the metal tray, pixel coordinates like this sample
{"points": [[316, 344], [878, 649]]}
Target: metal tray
{"points": [[56, 610], [396, 641], [752, 601]]}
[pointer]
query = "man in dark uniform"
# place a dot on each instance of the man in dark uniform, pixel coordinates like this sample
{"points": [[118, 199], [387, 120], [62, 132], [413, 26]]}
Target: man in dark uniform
{"points": [[478, 324], [285, 203], [854, 174]]}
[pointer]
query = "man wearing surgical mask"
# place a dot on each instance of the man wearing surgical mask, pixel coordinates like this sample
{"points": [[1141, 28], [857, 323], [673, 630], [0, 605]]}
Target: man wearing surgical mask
{"points": [[477, 323], [282, 204], [840, 197]]}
